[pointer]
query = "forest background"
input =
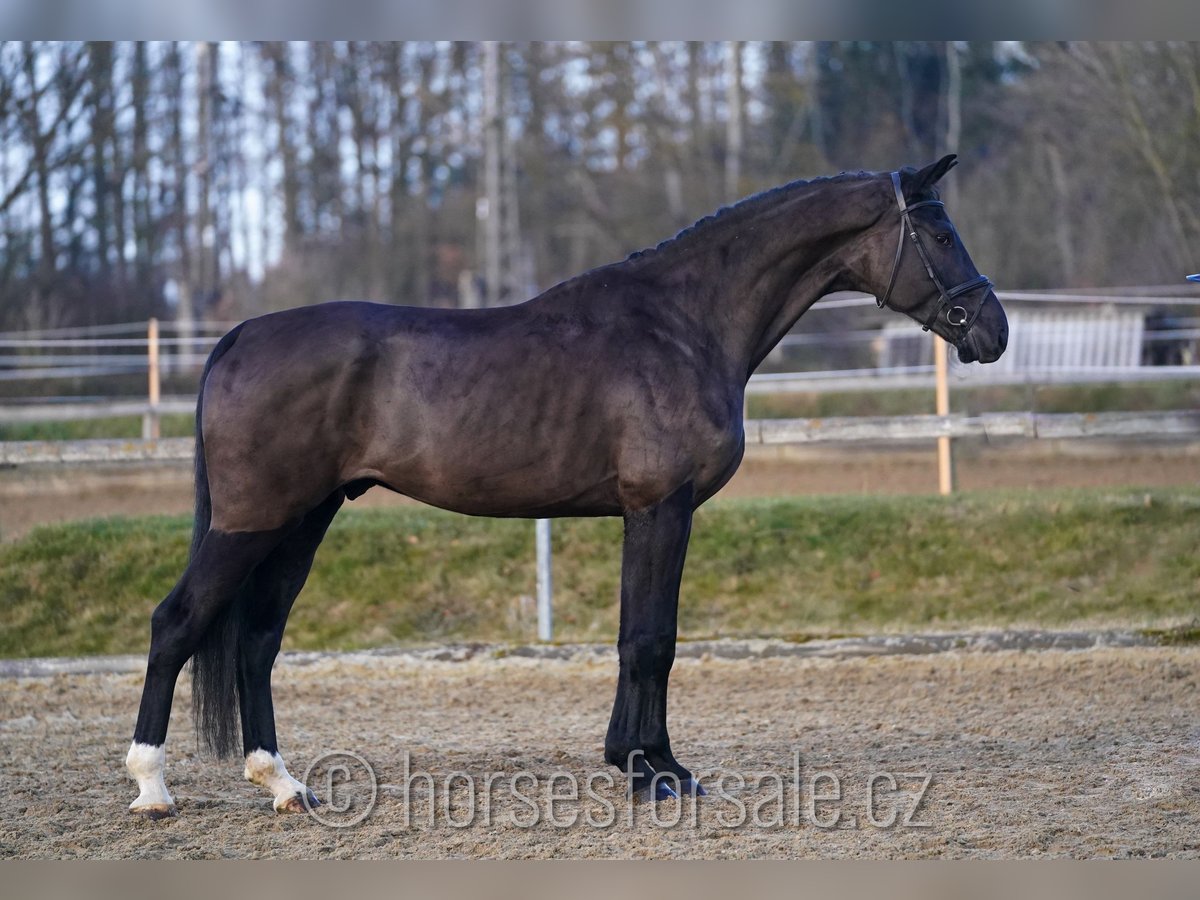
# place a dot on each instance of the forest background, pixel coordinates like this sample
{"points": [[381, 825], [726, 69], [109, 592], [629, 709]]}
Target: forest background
{"points": [[193, 180]]}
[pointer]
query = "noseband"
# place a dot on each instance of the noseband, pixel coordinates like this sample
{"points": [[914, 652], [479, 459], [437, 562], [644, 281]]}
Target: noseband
{"points": [[957, 316]]}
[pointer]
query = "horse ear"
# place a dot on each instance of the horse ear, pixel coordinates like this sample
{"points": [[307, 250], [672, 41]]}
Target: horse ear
{"points": [[917, 182]]}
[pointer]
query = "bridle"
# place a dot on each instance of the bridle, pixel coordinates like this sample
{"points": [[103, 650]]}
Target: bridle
{"points": [[957, 316]]}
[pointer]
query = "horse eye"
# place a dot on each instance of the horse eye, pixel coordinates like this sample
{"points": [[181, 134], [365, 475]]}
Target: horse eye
{"points": [[944, 238]]}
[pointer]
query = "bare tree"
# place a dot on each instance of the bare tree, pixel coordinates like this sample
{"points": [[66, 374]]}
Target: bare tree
{"points": [[293, 173], [953, 115], [492, 217], [733, 119]]}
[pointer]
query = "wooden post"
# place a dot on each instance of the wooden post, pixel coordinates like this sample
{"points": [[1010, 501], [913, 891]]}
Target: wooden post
{"points": [[941, 367], [151, 427]]}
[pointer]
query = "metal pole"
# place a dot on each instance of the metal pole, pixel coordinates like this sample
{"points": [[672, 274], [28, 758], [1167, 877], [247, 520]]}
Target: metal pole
{"points": [[151, 427], [545, 586], [945, 454]]}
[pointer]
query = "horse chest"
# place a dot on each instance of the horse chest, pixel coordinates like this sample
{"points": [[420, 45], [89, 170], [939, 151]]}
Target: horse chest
{"points": [[690, 432]]}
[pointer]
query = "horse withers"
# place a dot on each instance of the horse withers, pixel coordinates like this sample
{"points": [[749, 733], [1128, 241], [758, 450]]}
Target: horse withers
{"points": [[617, 393]]}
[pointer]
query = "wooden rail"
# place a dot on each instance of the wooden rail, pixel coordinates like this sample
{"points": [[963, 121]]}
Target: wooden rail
{"points": [[850, 430], [922, 377], [773, 383], [868, 429]]}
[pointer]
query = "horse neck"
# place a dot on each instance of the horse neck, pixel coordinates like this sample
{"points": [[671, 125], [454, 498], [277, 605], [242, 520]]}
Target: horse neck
{"points": [[749, 279]]}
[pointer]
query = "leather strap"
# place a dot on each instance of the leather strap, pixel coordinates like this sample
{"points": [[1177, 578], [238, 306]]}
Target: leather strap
{"points": [[944, 296]]}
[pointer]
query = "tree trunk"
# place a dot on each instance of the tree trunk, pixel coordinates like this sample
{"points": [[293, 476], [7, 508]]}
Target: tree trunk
{"points": [[493, 221], [278, 91], [949, 184], [907, 118], [144, 240], [183, 310], [205, 226], [733, 122], [40, 147], [100, 77], [1062, 218], [816, 108]]}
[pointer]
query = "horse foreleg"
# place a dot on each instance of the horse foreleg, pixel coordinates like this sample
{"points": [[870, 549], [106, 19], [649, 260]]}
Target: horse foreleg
{"points": [[655, 545], [277, 582]]}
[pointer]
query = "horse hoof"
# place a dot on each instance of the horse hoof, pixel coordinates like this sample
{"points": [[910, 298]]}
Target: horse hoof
{"points": [[295, 804], [154, 811], [660, 790], [291, 805], [688, 787]]}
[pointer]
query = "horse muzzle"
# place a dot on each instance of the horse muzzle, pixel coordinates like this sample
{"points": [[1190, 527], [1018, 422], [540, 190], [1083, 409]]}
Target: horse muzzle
{"points": [[987, 338]]}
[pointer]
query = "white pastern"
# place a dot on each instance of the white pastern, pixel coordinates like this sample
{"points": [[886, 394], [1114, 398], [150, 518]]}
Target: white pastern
{"points": [[267, 770], [146, 764]]}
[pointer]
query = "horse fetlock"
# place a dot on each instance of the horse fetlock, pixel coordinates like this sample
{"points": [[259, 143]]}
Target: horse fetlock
{"points": [[647, 655], [267, 770], [145, 764]]}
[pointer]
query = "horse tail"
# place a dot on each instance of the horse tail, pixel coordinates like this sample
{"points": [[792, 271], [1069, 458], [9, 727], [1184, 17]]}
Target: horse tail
{"points": [[214, 663]]}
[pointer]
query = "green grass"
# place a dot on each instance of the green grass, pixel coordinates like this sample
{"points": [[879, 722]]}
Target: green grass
{"points": [[790, 567], [86, 429]]}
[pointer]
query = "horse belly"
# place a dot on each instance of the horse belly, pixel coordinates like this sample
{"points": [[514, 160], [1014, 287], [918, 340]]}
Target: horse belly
{"points": [[493, 457]]}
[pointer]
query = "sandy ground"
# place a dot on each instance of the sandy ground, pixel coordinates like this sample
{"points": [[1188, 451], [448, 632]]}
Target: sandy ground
{"points": [[33, 496], [1049, 753], [1053, 753]]}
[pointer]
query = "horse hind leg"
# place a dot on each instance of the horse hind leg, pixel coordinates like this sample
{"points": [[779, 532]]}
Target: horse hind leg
{"points": [[275, 584], [179, 626]]}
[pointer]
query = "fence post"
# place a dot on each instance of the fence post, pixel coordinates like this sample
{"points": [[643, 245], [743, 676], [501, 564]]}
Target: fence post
{"points": [[151, 426], [941, 366], [545, 586]]}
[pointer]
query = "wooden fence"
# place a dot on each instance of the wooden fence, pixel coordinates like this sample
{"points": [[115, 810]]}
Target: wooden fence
{"points": [[847, 430], [1185, 423]]}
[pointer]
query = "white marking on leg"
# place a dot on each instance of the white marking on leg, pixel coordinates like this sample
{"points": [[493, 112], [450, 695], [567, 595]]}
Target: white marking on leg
{"points": [[146, 764], [267, 770]]}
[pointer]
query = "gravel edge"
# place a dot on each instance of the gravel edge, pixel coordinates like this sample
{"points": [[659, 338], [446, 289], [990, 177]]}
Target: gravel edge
{"points": [[765, 648]]}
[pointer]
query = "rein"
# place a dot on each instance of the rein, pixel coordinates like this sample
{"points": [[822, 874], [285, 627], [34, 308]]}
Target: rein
{"points": [[957, 316]]}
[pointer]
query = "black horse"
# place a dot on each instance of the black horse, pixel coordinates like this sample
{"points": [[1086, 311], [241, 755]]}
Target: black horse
{"points": [[617, 393]]}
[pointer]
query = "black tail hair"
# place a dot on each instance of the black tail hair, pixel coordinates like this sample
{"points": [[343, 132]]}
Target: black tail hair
{"points": [[214, 664]]}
